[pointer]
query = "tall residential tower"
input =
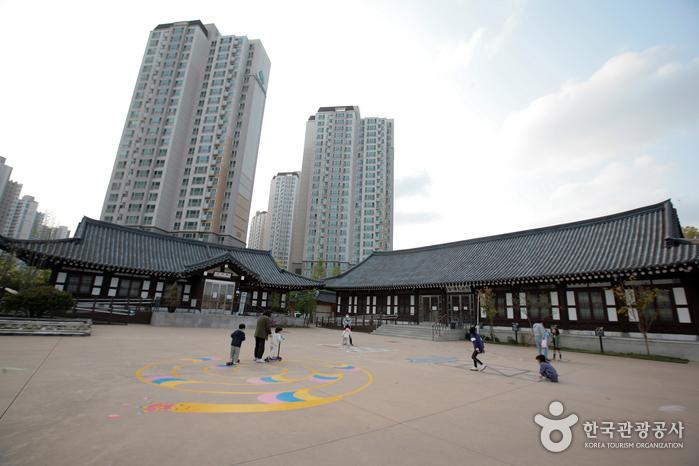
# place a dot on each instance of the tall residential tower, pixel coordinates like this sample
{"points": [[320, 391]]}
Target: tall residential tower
{"points": [[258, 237], [188, 152], [282, 198], [344, 209]]}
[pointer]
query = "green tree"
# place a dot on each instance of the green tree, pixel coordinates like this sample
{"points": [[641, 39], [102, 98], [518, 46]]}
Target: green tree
{"points": [[336, 270], [690, 232], [275, 301], [171, 299], [486, 298], [304, 301], [18, 276], [318, 272], [38, 301], [638, 302]]}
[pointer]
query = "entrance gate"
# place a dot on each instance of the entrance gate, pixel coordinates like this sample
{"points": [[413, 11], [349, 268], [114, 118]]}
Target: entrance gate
{"points": [[218, 294]]}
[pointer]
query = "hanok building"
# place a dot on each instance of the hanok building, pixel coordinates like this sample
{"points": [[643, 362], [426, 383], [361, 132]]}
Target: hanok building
{"points": [[104, 260], [565, 273]]}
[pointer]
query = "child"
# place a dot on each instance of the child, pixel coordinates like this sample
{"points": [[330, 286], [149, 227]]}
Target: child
{"points": [[545, 344], [546, 369], [556, 342], [346, 336], [275, 344], [478, 347], [237, 339]]}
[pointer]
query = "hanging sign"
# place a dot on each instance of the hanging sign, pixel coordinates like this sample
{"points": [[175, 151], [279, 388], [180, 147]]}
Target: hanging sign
{"points": [[458, 289]]}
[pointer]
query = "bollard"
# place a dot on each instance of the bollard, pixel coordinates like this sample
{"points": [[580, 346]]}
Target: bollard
{"points": [[599, 331]]}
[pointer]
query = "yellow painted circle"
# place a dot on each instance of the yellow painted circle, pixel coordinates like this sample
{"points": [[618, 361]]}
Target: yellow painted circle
{"points": [[250, 388]]}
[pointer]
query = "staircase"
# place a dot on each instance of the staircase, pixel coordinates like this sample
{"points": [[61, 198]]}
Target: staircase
{"points": [[423, 331]]}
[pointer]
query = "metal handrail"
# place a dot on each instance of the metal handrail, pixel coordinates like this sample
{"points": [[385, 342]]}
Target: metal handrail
{"points": [[122, 306], [364, 320], [440, 326]]}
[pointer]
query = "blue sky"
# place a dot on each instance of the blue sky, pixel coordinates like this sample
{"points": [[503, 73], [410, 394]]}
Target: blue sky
{"points": [[509, 114]]}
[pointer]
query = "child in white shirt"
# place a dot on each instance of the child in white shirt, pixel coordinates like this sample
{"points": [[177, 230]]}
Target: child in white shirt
{"points": [[277, 339], [346, 336]]}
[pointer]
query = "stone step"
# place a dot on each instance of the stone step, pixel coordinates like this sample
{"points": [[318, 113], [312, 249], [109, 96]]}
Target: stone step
{"points": [[29, 326]]}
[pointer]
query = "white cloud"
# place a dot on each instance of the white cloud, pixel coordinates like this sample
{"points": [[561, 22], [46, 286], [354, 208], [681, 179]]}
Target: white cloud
{"points": [[619, 185], [412, 185], [460, 54], [633, 99]]}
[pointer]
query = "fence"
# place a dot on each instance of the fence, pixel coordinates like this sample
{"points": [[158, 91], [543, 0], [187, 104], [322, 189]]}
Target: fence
{"points": [[366, 322]]}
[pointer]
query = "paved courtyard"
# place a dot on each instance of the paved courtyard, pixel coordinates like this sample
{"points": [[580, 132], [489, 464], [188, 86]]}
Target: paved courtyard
{"points": [[141, 395]]}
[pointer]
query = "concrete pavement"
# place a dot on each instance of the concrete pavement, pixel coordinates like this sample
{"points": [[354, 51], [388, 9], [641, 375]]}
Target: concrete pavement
{"points": [[142, 395]]}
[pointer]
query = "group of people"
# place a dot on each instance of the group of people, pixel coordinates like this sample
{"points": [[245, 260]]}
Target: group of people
{"points": [[263, 331], [541, 338]]}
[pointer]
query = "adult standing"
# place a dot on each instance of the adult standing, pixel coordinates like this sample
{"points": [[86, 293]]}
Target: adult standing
{"points": [[262, 330]]}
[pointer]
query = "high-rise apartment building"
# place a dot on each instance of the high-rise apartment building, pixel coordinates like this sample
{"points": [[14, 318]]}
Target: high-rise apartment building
{"points": [[282, 198], [10, 194], [344, 209], [259, 231], [5, 172], [20, 222], [188, 152]]}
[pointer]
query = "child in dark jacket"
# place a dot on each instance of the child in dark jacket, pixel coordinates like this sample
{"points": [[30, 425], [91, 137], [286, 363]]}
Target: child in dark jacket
{"points": [[237, 339], [546, 369], [478, 348]]}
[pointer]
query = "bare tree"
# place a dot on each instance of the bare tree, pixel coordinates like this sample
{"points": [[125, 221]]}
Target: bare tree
{"points": [[638, 303], [487, 302]]}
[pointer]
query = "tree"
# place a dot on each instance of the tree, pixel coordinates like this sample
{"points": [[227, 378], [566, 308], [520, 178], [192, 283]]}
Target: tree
{"points": [[38, 301], [18, 276], [486, 298], [336, 270], [304, 302], [638, 302], [690, 232], [318, 272], [171, 299], [275, 301]]}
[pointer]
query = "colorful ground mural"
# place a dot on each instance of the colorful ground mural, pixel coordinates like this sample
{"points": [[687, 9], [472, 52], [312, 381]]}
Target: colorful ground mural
{"points": [[211, 386]]}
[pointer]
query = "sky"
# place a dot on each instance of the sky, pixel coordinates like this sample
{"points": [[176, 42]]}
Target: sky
{"points": [[509, 115]]}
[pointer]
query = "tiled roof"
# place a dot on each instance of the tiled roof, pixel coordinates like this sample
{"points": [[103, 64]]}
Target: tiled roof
{"points": [[106, 246], [648, 238]]}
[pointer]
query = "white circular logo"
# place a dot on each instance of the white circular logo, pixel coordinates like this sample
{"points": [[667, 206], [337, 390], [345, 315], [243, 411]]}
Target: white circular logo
{"points": [[548, 426]]}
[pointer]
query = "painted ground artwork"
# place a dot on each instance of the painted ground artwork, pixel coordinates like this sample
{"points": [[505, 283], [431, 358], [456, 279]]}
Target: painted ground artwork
{"points": [[207, 385]]}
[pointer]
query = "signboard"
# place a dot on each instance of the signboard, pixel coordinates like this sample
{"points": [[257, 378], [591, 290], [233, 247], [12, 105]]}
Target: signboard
{"points": [[459, 289], [227, 275], [241, 306]]}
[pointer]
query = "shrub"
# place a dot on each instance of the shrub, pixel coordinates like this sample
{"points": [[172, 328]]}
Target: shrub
{"points": [[38, 301]]}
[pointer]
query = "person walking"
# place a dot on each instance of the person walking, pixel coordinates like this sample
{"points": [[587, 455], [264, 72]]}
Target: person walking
{"points": [[478, 348], [262, 330]]}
